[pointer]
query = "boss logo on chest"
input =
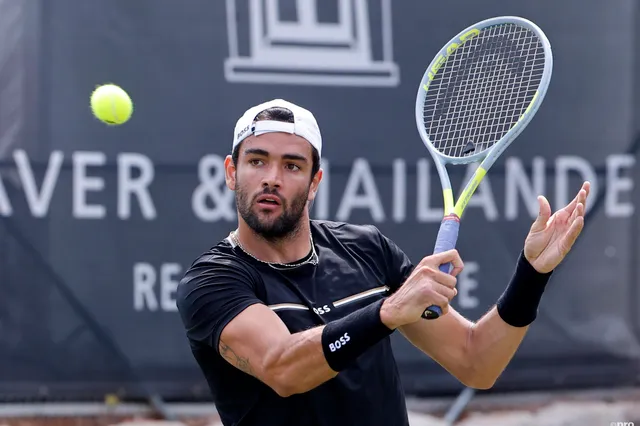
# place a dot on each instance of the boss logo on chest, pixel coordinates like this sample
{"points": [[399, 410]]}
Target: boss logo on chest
{"points": [[322, 310]]}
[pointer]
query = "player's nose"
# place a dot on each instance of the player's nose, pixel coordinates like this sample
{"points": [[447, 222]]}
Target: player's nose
{"points": [[272, 178]]}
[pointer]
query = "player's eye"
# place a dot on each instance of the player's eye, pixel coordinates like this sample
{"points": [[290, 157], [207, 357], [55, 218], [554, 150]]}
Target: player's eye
{"points": [[256, 162], [293, 167]]}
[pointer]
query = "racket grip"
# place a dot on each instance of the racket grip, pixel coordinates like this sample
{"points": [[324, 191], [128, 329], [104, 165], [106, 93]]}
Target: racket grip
{"points": [[446, 240]]}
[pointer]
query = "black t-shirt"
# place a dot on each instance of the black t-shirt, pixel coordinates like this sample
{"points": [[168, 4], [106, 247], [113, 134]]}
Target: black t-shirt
{"points": [[357, 266]]}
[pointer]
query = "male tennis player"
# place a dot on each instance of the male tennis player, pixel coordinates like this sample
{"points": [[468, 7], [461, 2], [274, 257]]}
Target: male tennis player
{"points": [[289, 318]]}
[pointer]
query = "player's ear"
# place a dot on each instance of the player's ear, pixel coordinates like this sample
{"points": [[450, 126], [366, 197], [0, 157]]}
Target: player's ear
{"points": [[315, 183], [230, 173]]}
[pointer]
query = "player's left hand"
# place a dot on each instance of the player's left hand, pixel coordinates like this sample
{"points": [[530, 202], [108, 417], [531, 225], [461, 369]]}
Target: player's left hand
{"points": [[552, 236]]}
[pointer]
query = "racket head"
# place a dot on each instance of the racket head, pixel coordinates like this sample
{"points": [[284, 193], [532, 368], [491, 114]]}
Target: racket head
{"points": [[461, 108]]}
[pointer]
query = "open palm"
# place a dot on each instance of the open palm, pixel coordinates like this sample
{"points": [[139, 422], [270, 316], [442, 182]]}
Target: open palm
{"points": [[552, 236]]}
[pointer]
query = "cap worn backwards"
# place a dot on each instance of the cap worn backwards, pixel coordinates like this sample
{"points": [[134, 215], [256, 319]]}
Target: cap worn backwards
{"points": [[304, 124]]}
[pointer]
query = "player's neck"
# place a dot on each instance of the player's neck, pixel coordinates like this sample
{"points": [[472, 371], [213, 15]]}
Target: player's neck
{"points": [[286, 250]]}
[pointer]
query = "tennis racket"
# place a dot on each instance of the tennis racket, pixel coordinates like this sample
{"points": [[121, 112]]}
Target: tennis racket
{"points": [[478, 93]]}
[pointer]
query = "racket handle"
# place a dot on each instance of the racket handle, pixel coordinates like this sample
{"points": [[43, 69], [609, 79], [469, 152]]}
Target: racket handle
{"points": [[446, 240]]}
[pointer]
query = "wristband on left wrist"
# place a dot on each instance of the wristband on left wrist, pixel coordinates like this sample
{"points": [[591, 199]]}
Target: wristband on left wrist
{"points": [[518, 304]]}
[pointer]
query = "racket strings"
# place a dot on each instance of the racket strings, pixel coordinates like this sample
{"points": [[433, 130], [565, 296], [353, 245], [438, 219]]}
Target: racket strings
{"points": [[482, 89], [488, 89], [481, 99]]}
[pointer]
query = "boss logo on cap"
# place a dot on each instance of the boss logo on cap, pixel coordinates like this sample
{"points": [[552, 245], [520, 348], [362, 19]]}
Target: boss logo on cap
{"points": [[243, 131]]}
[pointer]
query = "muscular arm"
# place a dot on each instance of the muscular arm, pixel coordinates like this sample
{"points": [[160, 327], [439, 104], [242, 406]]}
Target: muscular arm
{"points": [[257, 342], [475, 353], [219, 308]]}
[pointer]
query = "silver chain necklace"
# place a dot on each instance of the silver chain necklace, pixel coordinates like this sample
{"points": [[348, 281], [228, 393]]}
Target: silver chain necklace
{"points": [[313, 259]]}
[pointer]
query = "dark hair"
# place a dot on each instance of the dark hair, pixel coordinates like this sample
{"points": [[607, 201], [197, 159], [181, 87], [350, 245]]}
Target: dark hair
{"points": [[286, 116]]}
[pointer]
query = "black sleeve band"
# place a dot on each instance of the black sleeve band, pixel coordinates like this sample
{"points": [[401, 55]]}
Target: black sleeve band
{"points": [[346, 339], [518, 305]]}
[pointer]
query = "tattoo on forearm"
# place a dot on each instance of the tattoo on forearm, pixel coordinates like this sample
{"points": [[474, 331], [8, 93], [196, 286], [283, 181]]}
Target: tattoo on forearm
{"points": [[240, 362]]}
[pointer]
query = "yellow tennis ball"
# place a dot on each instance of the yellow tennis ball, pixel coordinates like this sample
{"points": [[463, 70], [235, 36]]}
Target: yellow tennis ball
{"points": [[111, 104], [111, 399]]}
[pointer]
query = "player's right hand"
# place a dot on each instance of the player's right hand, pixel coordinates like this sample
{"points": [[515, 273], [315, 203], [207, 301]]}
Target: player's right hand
{"points": [[426, 286]]}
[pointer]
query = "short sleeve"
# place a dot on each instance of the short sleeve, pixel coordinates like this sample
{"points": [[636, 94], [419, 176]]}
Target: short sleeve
{"points": [[399, 266], [210, 295]]}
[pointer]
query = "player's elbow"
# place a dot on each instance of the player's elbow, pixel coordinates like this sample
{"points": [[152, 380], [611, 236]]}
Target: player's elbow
{"points": [[479, 382], [472, 377], [278, 376], [480, 379], [283, 388], [284, 385]]}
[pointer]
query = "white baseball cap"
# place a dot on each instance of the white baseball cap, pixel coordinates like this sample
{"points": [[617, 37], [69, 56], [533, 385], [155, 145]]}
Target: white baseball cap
{"points": [[304, 124]]}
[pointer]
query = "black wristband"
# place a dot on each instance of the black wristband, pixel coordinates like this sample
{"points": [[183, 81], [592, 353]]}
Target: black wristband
{"points": [[518, 305], [346, 339]]}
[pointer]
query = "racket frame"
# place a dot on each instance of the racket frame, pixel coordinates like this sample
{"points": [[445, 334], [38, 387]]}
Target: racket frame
{"points": [[448, 233], [488, 156]]}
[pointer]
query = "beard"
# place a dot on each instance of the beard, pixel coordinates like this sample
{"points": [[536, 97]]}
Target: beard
{"points": [[272, 229]]}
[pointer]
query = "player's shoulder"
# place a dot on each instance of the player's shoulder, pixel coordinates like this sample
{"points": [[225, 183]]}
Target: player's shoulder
{"points": [[220, 254], [221, 259], [347, 232]]}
